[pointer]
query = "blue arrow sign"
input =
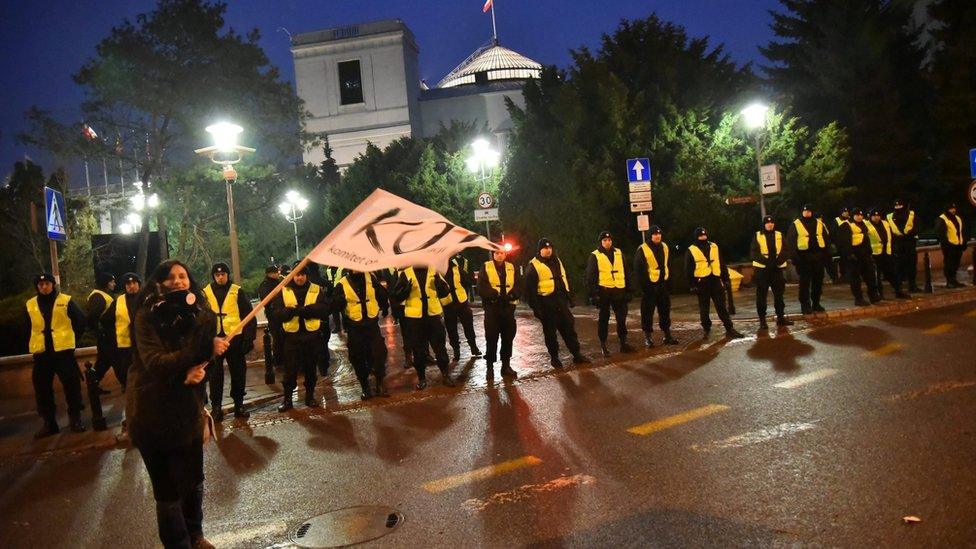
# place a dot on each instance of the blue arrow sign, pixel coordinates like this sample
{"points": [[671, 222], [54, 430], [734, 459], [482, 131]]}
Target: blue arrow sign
{"points": [[638, 169], [972, 163], [55, 214]]}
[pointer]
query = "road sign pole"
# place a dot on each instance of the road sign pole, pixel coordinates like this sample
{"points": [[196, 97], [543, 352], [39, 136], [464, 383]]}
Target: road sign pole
{"points": [[54, 262], [762, 199]]}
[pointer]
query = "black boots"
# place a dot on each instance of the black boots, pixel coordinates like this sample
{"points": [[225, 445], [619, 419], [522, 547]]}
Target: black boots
{"points": [[648, 341], [457, 354], [475, 351], [310, 400], [367, 391], [762, 323], [217, 414], [489, 371], [668, 339], [579, 358], [818, 308], [240, 412], [556, 363], [172, 524], [603, 347], [732, 333], [507, 370], [783, 321], [625, 348], [50, 428], [286, 402], [76, 425]]}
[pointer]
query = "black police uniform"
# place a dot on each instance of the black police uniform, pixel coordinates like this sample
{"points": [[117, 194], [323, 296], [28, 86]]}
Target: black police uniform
{"points": [[858, 258], [273, 337], [904, 228], [499, 304], [95, 309], [710, 287], [951, 251], [769, 260], [655, 294], [367, 349], [236, 354], [427, 330], [551, 304], [458, 310], [884, 262], [327, 283], [303, 347], [122, 356], [807, 242], [609, 292]]}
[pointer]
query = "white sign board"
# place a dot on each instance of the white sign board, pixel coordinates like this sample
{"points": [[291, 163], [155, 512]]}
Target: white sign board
{"points": [[486, 214], [769, 178], [640, 187], [641, 206], [485, 200], [643, 196], [643, 223]]}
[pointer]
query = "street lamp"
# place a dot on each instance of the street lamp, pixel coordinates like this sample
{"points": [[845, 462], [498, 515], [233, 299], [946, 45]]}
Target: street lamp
{"points": [[140, 202], [226, 152], [481, 162], [754, 117], [292, 208]]}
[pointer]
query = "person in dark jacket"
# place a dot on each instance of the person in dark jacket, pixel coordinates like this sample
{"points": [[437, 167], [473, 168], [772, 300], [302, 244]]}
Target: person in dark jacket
{"points": [[903, 246], [273, 337], [769, 260], [99, 300], [117, 321], [303, 310], [707, 277], [56, 324], [546, 290], [230, 303], [362, 299], [500, 289], [881, 236], [420, 289], [652, 270], [327, 283], [952, 240], [608, 281], [807, 242], [172, 345], [457, 307], [854, 244]]}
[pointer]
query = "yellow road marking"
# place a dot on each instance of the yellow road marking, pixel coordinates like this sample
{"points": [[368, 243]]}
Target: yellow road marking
{"points": [[677, 419], [886, 349], [448, 483], [805, 378], [939, 329]]}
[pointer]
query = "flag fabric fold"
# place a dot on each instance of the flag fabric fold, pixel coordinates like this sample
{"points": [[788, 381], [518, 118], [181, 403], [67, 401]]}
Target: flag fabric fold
{"points": [[487, 6], [388, 231]]}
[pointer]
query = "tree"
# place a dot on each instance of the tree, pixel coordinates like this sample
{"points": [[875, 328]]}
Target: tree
{"points": [[858, 63], [158, 80]]}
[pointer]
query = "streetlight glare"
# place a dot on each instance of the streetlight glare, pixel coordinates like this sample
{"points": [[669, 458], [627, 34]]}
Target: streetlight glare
{"points": [[755, 115], [225, 135], [153, 200], [302, 203], [134, 219], [480, 145], [125, 228], [138, 201], [292, 196], [284, 208], [474, 164]]}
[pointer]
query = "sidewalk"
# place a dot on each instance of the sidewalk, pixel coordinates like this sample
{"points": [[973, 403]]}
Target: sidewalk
{"points": [[18, 420]]}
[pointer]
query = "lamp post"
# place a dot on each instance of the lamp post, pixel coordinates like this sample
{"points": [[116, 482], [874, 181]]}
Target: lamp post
{"points": [[226, 152], [481, 162], [293, 207], [755, 119]]}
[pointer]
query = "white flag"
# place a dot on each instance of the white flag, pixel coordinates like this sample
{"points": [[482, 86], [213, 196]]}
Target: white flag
{"points": [[387, 231]]}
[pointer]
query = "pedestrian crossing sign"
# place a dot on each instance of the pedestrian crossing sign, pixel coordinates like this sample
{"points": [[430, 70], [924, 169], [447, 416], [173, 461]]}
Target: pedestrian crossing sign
{"points": [[55, 214]]}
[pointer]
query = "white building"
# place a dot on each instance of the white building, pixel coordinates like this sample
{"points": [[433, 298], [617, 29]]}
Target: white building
{"points": [[361, 85]]}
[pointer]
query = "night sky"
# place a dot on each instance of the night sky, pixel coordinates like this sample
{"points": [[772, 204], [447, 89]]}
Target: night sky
{"points": [[44, 43]]}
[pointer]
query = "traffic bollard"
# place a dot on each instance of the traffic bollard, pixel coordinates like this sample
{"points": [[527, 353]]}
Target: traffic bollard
{"points": [[974, 266], [94, 398], [928, 273]]}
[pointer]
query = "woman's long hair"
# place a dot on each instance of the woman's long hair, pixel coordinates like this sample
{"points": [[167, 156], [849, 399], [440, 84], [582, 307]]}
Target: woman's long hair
{"points": [[150, 293]]}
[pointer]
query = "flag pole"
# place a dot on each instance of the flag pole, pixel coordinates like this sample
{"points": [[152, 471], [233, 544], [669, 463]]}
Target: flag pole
{"points": [[494, 29]]}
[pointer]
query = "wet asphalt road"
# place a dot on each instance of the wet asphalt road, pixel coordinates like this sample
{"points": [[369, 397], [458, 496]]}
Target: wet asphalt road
{"points": [[824, 436]]}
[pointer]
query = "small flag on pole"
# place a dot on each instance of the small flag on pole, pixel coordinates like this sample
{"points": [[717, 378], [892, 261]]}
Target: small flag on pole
{"points": [[88, 132], [487, 6]]}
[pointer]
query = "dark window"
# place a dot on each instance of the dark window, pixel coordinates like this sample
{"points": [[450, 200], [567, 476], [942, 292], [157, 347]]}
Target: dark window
{"points": [[350, 83]]}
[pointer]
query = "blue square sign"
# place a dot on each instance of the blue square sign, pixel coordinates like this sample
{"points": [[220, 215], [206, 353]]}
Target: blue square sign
{"points": [[638, 169], [55, 214], [972, 163]]}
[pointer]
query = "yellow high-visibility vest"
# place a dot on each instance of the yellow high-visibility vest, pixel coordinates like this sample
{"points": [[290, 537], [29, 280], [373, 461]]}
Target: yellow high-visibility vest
{"points": [[228, 314], [803, 236], [105, 295], [547, 283], [857, 235], [909, 224], [462, 295], [653, 269], [354, 305], [413, 307], [496, 281], [62, 333], [123, 335], [952, 235], [611, 276], [709, 266], [764, 249], [840, 221], [875, 238], [291, 300]]}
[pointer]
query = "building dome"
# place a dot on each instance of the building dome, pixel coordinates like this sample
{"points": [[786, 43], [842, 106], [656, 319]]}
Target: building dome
{"points": [[491, 63]]}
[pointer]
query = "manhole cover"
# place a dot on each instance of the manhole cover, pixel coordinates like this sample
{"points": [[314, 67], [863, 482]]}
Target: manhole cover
{"points": [[347, 526]]}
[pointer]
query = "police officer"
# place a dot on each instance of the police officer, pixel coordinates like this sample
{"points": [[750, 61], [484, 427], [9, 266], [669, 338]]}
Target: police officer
{"points": [[420, 290], [707, 276], [302, 309], [500, 289], [652, 270], [546, 289], [807, 243], [56, 323], [99, 301], [361, 299], [230, 304], [842, 218], [769, 260], [327, 283], [272, 331], [117, 321], [952, 240], [457, 307], [905, 235], [332, 275], [606, 279], [880, 234], [855, 248]]}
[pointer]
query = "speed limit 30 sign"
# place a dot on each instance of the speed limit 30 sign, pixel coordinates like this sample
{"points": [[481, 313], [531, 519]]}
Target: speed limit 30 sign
{"points": [[485, 200]]}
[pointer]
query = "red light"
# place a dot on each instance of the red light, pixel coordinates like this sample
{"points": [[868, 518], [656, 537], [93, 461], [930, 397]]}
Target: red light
{"points": [[507, 247]]}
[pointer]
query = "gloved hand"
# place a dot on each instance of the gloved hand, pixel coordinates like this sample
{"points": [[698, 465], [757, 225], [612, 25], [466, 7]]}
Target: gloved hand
{"points": [[291, 311], [302, 312], [693, 288]]}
